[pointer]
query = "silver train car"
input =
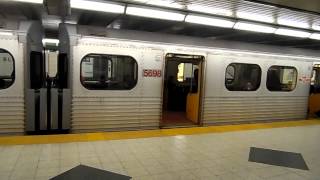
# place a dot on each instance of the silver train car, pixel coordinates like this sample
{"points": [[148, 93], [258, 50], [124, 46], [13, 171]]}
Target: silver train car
{"points": [[139, 80], [112, 80], [20, 47]]}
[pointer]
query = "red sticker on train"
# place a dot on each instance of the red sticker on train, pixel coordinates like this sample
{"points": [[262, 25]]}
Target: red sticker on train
{"points": [[152, 73]]}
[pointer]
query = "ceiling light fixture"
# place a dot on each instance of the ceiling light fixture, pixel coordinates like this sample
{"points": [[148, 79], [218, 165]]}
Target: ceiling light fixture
{"points": [[162, 3], [210, 21], [255, 17], [50, 41], [97, 6], [316, 27], [154, 13], [254, 27], [209, 10], [30, 1], [4, 33], [315, 36], [293, 33], [297, 24]]}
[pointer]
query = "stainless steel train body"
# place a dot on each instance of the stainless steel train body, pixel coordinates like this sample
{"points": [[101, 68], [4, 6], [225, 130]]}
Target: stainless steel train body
{"points": [[141, 106], [17, 41]]}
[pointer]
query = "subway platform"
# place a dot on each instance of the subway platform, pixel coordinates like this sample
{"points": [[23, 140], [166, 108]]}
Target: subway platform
{"points": [[275, 151]]}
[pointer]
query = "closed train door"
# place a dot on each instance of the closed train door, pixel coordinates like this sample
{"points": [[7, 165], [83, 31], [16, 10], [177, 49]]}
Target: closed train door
{"points": [[46, 91], [182, 90], [314, 98]]}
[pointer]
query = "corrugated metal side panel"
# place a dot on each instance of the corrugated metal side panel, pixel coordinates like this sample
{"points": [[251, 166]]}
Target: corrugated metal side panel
{"points": [[12, 114], [236, 109], [115, 113]]}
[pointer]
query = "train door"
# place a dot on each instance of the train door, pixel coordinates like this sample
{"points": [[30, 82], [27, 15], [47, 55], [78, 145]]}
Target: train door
{"points": [[314, 98], [46, 84], [182, 90]]}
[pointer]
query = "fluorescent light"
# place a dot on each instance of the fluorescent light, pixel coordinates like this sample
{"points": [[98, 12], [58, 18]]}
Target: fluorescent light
{"points": [[210, 21], [315, 36], [254, 27], [97, 6], [51, 41], [141, 1], [31, 1], [209, 10], [70, 22], [3, 33], [316, 27], [291, 32], [255, 17], [163, 3], [287, 22], [154, 13]]}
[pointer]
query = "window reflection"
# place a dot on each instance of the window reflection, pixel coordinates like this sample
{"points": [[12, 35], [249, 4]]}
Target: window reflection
{"points": [[108, 72], [281, 78], [242, 77], [7, 74]]}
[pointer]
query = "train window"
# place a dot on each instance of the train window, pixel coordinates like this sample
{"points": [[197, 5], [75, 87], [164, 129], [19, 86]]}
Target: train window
{"points": [[7, 73], [186, 72], [230, 74], [281, 78], [108, 72], [242, 77]]}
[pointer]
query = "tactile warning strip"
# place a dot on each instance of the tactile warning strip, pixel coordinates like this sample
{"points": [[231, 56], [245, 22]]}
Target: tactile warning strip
{"points": [[64, 138]]}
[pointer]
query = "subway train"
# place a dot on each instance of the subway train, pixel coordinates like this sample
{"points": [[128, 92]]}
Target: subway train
{"points": [[113, 80], [20, 46], [138, 80]]}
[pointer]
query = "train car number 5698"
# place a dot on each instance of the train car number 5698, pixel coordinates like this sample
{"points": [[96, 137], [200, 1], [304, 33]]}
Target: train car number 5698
{"points": [[152, 73]]}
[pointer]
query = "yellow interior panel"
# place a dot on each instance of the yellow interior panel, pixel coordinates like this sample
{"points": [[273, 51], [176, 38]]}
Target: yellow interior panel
{"points": [[314, 104], [193, 107]]}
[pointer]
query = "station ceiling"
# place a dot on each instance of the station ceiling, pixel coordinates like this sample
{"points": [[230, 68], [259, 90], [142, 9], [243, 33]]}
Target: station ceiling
{"points": [[52, 12]]}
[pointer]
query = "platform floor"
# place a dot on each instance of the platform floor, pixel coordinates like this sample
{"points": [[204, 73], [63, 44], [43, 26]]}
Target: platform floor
{"points": [[201, 155]]}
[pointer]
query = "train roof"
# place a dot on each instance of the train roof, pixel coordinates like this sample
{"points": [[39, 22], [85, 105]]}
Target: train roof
{"points": [[179, 40]]}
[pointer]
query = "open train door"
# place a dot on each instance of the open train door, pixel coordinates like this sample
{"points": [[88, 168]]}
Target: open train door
{"points": [[182, 90], [314, 98]]}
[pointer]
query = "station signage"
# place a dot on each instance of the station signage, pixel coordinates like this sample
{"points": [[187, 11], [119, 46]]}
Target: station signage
{"points": [[152, 73]]}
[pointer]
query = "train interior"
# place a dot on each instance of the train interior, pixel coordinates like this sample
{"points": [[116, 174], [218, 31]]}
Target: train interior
{"points": [[181, 94], [314, 98]]}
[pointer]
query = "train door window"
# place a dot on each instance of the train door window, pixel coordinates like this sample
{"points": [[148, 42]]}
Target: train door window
{"points": [[281, 78], [188, 74], [63, 70], [37, 70], [242, 77], [108, 72], [7, 72]]}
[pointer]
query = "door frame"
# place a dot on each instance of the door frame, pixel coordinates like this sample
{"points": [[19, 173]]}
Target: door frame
{"points": [[201, 87]]}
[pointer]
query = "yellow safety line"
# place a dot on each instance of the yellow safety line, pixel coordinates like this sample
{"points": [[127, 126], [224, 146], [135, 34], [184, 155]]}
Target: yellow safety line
{"points": [[65, 138]]}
